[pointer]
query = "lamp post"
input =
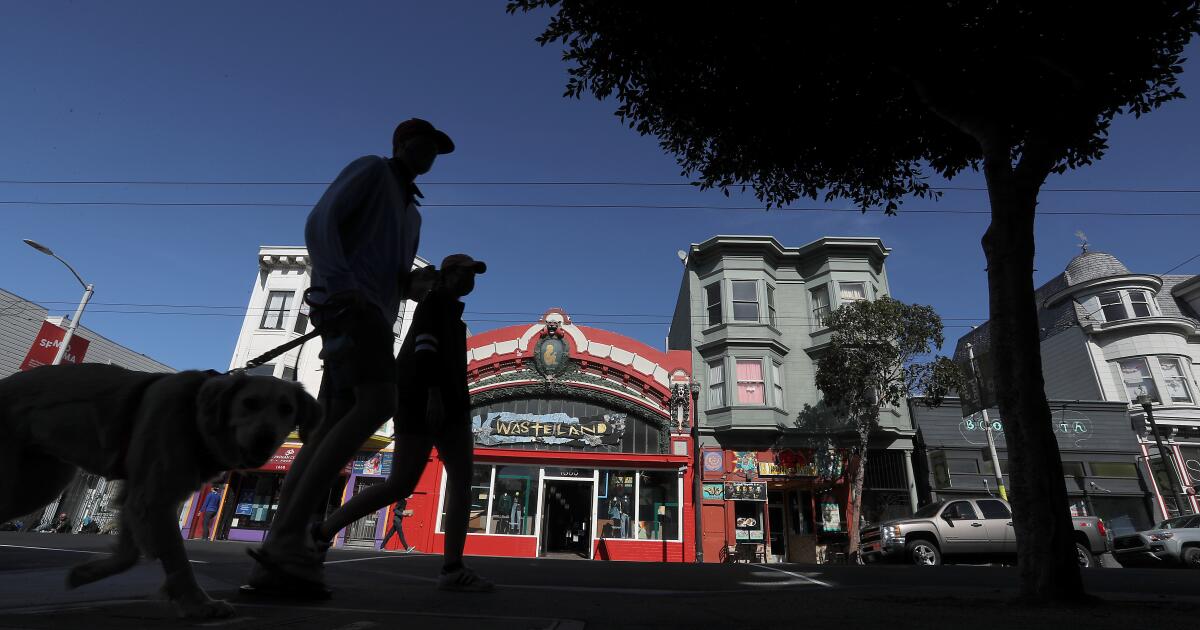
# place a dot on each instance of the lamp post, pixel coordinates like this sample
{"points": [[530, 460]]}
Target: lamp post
{"points": [[1168, 463], [87, 295], [697, 471]]}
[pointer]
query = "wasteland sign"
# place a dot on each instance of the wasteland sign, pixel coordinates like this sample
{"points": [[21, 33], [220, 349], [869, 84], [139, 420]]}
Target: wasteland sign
{"points": [[506, 427]]}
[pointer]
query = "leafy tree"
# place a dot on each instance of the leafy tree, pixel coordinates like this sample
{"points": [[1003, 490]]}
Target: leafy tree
{"points": [[862, 101], [872, 363]]}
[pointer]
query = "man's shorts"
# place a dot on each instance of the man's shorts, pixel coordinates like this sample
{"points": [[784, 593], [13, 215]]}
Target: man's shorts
{"points": [[369, 359]]}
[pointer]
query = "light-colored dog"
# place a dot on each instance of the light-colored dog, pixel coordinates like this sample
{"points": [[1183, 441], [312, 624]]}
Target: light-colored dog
{"points": [[164, 434]]}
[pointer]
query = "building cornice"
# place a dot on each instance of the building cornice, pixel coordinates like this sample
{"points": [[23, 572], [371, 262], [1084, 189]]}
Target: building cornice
{"points": [[1174, 324], [1142, 281], [777, 254]]}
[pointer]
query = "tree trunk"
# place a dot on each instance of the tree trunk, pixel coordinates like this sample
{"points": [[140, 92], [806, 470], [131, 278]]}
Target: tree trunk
{"points": [[854, 511], [1046, 559]]}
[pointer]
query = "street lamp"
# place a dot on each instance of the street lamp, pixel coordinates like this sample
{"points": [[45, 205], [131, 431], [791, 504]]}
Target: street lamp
{"points": [[87, 295], [1147, 404]]}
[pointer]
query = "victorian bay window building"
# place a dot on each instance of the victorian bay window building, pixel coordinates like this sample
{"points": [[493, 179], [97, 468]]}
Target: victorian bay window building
{"points": [[750, 311], [1109, 334]]}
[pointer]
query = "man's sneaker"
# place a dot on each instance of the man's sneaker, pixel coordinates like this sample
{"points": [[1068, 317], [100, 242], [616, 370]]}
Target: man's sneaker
{"points": [[321, 545], [285, 576], [465, 580], [412, 550]]}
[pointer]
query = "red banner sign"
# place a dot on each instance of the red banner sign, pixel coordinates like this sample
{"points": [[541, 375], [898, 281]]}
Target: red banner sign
{"points": [[46, 345], [282, 460]]}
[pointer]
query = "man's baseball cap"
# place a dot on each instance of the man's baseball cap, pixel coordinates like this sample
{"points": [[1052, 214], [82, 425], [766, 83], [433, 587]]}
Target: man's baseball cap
{"points": [[418, 127], [465, 261]]}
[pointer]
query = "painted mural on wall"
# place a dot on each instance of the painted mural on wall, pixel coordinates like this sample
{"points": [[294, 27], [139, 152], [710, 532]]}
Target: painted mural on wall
{"points": [[745, 462], [505, 427], [1071, 427]]}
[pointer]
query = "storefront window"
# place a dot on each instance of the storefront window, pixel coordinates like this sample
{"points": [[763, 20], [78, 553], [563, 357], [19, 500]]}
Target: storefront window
{"points": [[481, 494], [614, 504], [658, 505], [748, 521], [257, 500], [515, 504]]}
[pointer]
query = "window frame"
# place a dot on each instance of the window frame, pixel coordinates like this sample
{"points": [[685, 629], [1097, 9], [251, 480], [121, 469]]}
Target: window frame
{"points": [[1182, 377], [282, 312], [734, 302], [771, 317], [860, 283], [761, 383], [708, 305], [1154, 394], [777, 393], [819, 311], [1119, 303], [719, 386]]}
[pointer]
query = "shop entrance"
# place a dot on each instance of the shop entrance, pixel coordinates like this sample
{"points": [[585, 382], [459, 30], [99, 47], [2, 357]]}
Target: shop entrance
{"points": [[566, 519], [361, 533]]}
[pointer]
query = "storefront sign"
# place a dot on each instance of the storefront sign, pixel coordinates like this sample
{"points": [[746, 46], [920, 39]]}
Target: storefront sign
{"points": [[45, 347], [714, 461], [746, 491], [714, 491], [582, 473], [281, 461], [505, 427], [789, 463], [1072, 428], [373, 464]]}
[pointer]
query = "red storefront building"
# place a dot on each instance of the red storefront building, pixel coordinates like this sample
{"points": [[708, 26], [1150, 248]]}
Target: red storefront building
{"points": [[582, 449]]}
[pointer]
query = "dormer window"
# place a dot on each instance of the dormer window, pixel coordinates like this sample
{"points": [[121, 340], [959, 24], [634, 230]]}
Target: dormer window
{"points": [[1140, 303], [1114, 306]]}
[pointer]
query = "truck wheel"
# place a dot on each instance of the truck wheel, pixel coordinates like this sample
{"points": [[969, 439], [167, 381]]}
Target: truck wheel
{"points": [[1191, 557], [923, 553], [1086, 559]]}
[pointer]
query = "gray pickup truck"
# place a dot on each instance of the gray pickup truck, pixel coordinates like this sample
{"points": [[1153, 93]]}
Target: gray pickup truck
{"points": [[966, 527], [1175, 542]]}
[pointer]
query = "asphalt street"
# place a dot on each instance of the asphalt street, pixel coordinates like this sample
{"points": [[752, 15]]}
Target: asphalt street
{"points": [[377, 590]]}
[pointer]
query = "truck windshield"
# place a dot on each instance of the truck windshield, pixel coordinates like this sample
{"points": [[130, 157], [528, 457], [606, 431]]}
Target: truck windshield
{"points": [[929, 510], [1179, 522]]}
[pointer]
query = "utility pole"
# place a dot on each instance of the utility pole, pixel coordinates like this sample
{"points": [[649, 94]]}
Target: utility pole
{"points": [[987, 424]]}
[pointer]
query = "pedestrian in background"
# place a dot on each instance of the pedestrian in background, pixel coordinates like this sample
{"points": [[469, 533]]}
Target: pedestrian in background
{"points": [[212, 504], [397, 526]]}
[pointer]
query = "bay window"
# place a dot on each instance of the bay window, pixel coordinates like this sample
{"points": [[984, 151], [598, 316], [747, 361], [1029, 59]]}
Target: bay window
{"points": [[1115, 306], [1155, 375]]}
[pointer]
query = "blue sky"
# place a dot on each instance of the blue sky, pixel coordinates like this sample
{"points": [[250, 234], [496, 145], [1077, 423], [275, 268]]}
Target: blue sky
{"points": [[292, 91]]}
